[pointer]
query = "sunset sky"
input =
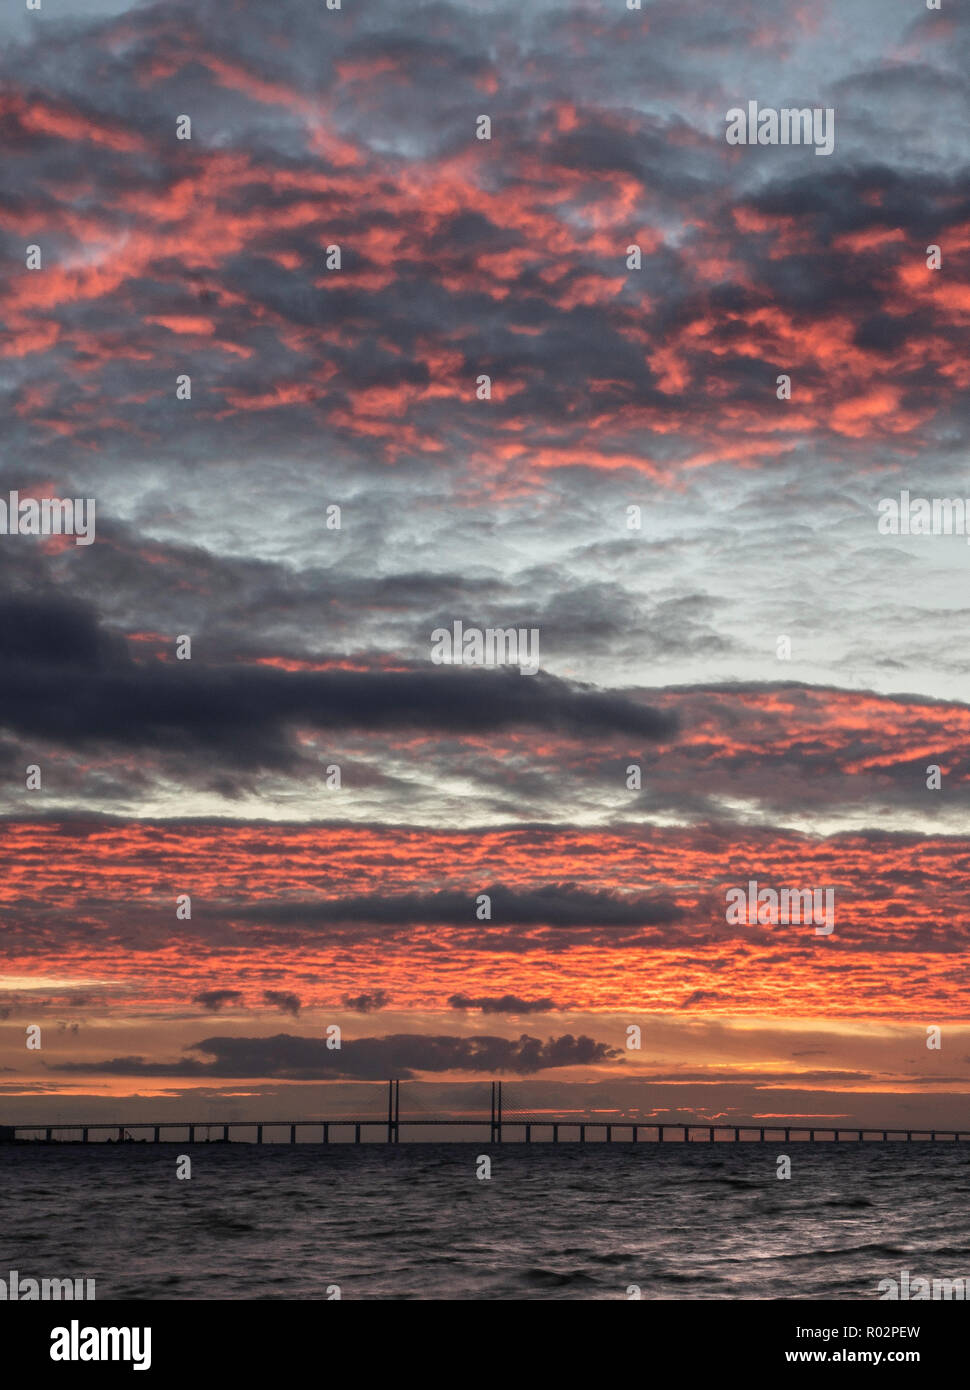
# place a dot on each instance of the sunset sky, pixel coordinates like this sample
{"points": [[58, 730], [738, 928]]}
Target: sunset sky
{"points": [[611, 388]]}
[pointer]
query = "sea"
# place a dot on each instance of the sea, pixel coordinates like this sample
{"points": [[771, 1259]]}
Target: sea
{"points": [[419, 1221]]}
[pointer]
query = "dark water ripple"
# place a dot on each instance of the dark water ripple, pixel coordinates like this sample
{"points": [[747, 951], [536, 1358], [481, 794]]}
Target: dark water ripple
{"points": [[554, 1222]]}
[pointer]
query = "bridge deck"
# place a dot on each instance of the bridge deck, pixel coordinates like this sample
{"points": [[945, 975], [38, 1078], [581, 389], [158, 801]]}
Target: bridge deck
{"points": [[626, 1131]]}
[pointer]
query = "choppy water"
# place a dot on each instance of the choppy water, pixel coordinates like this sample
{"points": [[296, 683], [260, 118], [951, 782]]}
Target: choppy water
{"points": [[414, 1222]]}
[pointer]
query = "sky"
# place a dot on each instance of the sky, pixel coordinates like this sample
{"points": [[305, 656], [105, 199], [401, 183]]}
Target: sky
{"points": [[719, 616]]}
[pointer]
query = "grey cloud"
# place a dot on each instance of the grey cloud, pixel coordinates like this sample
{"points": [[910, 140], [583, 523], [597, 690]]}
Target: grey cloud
{"points": [[284, 1001], [401, 1055], [502, 1004], [214, 999]]}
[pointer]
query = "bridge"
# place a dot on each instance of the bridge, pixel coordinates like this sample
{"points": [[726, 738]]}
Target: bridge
{"points": [[499, 1125]]}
